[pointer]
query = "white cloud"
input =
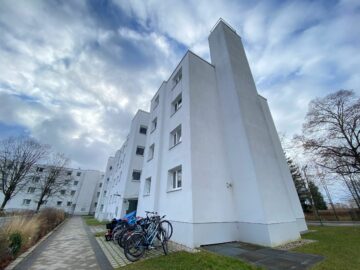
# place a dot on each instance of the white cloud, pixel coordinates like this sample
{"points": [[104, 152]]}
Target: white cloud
{"points": [[86, 72]]}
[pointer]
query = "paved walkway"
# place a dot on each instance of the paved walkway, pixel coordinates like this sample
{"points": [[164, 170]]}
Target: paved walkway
{"points": [[269, 258], [334, 223], [68, 248]]}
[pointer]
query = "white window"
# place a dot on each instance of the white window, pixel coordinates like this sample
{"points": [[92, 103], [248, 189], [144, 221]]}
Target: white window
{"points": [[26, 201], [98, 195], [176, 104], [147, 186], [175, 136], [72, 193], [62, 192], [68, 204], [177, 78], [36, 179], [31, 190], [151, 152], [136, 175], [59, 203], [153, 124], [39, 169], [143, 130], [175, 178], [76, 183], [69, 173], [140, 151], [78, 173]]}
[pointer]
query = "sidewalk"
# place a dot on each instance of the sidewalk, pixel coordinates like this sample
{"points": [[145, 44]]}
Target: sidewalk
{"points": [[334, 223], [68, 248]]}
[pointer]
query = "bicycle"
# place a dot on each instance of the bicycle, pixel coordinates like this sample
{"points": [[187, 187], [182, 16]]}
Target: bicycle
{"points": [[138, 241]]}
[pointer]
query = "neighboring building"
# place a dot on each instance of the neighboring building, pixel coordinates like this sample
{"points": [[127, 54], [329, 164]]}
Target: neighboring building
{"points": [[78, 197], [213, 162], [120, 191]]}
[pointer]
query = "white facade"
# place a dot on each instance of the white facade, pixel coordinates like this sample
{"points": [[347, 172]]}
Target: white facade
{"points": [[78, 197], [120, 191], [213, 161]]}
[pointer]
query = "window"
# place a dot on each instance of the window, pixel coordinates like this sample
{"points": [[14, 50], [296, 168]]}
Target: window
{"points": [[95, 204], [147, 186], [176, 104], [36, 179], [104, 192], [26, 201], [83, 209], [151, 152], [39, 169], [143, 129], [31, 190], [110, 168], [100, 185], [153, 124], [177, 78], [78, 173], [140, 151], [136, 175], [156, 102], [72, 193], [68, 204], [62, 192], [175, 136], [58, 203], [107, 179], [69, 173], [76, 183], [97, 195], [175, 178], [101, 208]]}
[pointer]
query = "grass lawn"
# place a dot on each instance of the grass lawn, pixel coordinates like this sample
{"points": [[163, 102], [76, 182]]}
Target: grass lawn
{"points": [[339, 245], [91, 221], [184, 261]]}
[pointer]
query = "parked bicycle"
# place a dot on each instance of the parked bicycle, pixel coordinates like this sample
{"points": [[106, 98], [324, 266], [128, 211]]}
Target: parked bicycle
{"points": [[144, 234]]}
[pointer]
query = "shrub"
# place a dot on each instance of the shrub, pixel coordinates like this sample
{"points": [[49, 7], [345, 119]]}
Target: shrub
{"points": [[49, 219], [15, 240]]}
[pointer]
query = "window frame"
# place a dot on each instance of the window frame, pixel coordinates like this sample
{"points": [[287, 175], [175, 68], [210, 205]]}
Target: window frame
{"points": [[154, 124], [174, 136], [173, 179], [175, 107], [142, 127], [151, 152]]}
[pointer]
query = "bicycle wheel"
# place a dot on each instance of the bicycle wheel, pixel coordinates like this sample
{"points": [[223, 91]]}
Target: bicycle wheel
{"points": [[134, 247], [167, 227], [164, 241]]}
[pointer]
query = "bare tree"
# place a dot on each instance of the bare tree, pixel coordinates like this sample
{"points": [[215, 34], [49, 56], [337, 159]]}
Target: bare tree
{"points": [[332, 132], [18, 156], [352, 182], [53, 180]]}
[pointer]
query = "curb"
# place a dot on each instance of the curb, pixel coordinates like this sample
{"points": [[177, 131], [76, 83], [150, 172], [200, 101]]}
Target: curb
{"points": [[24, 255]]}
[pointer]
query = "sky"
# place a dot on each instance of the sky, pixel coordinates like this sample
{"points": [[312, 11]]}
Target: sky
{"points": [[74, 73]]}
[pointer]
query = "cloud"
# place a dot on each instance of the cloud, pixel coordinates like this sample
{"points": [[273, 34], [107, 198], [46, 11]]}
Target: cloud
{"points": [[73, 73]]}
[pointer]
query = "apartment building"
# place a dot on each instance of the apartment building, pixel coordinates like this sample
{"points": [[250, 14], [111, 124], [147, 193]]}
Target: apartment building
{"points": [[213, 162], [120, 190], [77, 197]]}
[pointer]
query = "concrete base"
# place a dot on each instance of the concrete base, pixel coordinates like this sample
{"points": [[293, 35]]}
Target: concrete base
{"points": [[196, 234]]}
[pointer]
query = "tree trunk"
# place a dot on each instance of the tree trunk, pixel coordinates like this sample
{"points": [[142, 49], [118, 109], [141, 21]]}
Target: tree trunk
{"points": [[6, 199], [40, 202]]}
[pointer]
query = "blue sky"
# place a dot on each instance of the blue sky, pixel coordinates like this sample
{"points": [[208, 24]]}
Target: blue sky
{"points": [[73, 73]]}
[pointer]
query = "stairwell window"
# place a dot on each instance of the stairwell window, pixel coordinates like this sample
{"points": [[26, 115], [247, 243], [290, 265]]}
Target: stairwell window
{"points": [[175, 178], [147, 186], [176, 104], [177, 78], [151, 152], [153, 124], [175, 136]]}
